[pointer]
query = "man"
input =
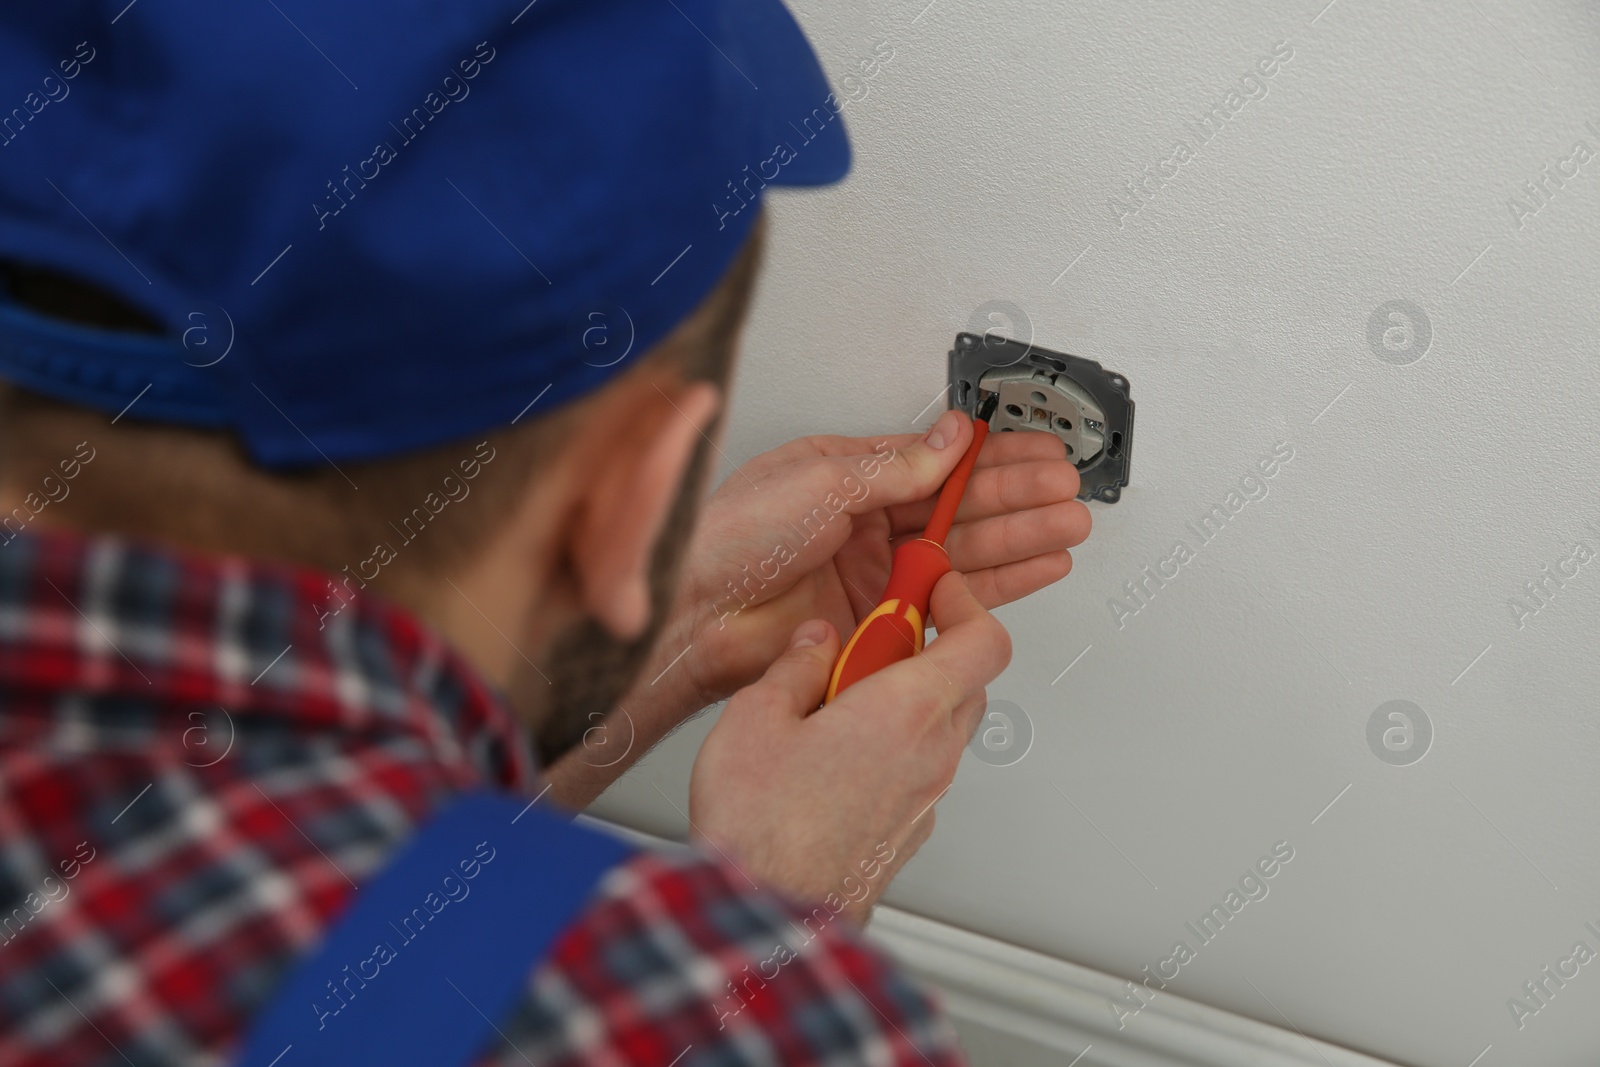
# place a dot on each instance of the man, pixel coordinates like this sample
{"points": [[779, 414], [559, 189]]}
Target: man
{"points": [[322, 507]]}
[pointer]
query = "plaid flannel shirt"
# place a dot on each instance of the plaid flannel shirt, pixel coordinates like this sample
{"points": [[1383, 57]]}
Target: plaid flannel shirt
{"points": [[198, 767]]}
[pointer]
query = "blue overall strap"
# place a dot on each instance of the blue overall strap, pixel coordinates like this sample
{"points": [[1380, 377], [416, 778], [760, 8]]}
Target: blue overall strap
{"points": [[432, 954]]}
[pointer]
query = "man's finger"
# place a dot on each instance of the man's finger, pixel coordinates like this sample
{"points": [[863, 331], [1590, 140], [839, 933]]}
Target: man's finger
{"points": [[970, 651], [795, 683], [972, 647], [863, 482], [924, 690], [828, 446], [903, 473], [994, 586], [969, 716], [995, 491], [891, 474], [1000, 448], [1018, 536], [1027, 446], [918, 469]]}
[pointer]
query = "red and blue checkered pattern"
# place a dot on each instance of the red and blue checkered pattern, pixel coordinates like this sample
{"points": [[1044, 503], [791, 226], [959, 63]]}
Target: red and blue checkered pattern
{"points": [[195, 775]]}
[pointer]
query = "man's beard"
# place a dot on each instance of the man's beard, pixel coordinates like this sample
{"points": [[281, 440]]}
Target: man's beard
{"points": [[588, 670]]}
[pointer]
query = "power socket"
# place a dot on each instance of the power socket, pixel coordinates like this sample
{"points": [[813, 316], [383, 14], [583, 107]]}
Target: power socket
{"points": [[1086, 406]]}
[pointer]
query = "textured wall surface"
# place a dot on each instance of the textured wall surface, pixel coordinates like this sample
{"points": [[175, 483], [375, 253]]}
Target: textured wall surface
{"points": [[1440, 461]]}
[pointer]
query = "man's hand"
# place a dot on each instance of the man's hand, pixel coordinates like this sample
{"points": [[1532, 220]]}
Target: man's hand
{"points": [[807, 531], [828, 804], [746, 594]]}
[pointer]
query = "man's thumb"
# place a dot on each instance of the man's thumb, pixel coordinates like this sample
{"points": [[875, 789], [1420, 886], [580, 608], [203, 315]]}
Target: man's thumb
{"points": [[795, 683], [921, 467]]}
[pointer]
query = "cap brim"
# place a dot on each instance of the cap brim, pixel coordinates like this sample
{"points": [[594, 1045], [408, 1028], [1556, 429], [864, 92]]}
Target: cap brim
{"points": [[796, 106]]}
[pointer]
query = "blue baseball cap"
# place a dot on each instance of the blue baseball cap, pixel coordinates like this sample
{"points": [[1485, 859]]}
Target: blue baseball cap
{"points": [[373, 227]]}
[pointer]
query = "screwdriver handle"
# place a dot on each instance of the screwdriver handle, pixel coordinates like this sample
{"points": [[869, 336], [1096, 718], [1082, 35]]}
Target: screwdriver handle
{"points": [[894, 630]]}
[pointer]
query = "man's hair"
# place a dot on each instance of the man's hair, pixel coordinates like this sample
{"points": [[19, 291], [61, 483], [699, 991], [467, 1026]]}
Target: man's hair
{"points": [[198, 488]]}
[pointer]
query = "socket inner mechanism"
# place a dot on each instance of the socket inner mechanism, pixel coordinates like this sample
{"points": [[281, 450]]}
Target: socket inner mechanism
{"points": [[1088, 407], [1037, 400]]}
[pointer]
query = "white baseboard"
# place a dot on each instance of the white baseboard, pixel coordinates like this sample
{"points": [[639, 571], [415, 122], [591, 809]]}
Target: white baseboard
{"points": [[1017, 1008]]}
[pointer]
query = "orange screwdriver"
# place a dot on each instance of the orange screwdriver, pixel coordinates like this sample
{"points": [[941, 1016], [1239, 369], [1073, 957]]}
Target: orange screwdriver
{"points": [[894, 629]]}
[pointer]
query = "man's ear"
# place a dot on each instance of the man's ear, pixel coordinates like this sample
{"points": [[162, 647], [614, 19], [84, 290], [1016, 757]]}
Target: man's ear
{"points": [[633, 474]]}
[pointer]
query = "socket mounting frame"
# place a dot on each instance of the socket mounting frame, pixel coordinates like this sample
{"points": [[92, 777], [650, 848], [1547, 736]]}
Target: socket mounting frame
{"points": [[1087, 407]]}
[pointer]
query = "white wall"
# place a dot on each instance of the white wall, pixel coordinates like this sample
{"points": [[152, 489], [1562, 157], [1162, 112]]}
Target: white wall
{"points": [[1226, 715]]}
